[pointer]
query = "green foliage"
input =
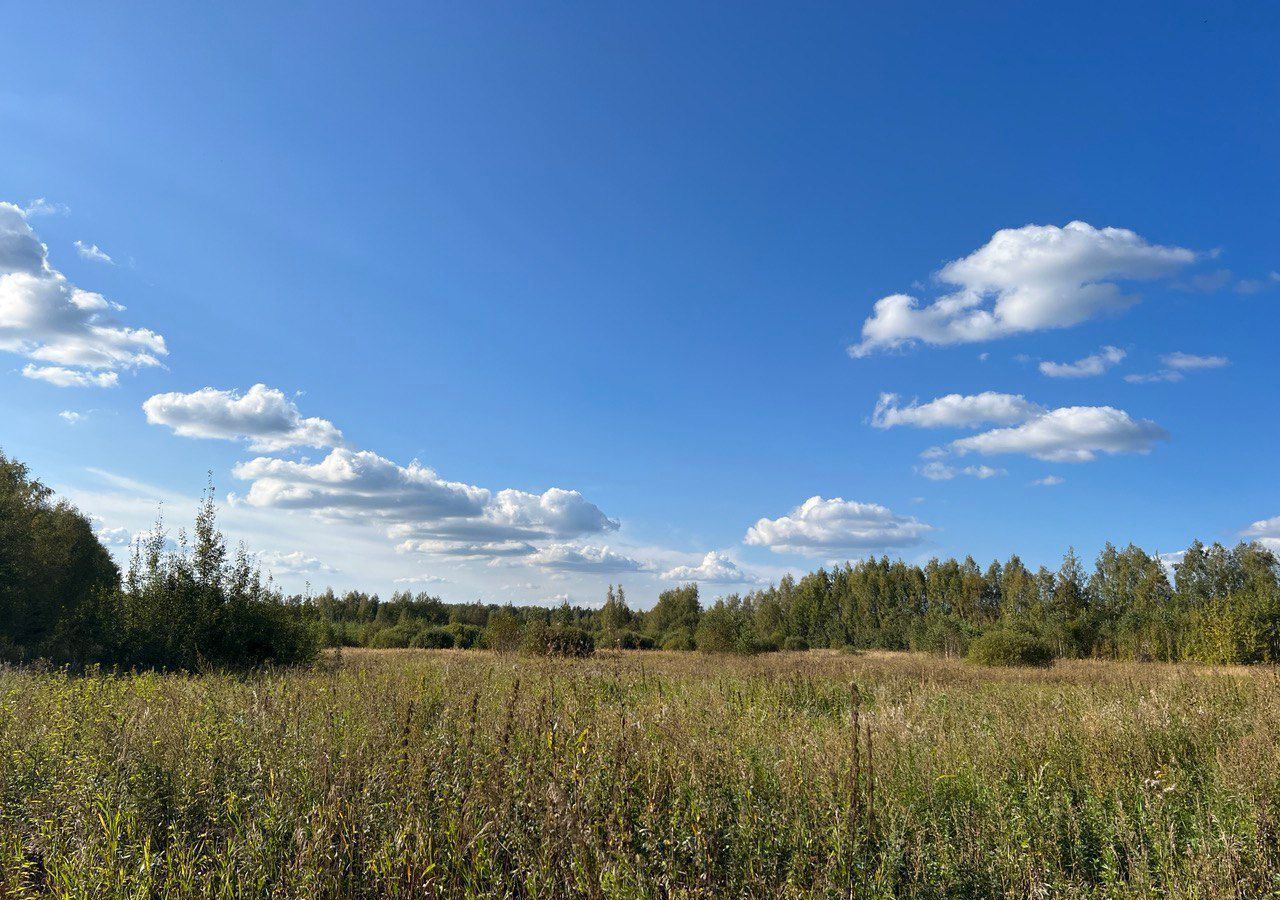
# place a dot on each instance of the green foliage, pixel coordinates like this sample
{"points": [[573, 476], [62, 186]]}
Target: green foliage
{"points": [[727, 627], [557, 640], [1004, 647], [504, 632], [795, 645], [57, 581]]}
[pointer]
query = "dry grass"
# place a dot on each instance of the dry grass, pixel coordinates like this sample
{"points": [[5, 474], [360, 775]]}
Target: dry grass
{"points": [[461, 774]]}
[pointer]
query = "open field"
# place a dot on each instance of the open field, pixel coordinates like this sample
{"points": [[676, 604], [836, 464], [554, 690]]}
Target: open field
{"points": [[418, 773]]}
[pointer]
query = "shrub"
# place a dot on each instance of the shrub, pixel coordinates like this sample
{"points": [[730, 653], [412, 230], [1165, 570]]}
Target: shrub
{"points": [[1003, 647], [466, 637], [795, 644], [678, 640], [504, 633], [397, 636], [433, 639], [558, 640]]}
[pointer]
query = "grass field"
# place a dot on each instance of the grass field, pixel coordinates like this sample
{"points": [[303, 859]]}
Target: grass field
{"points": [[418, 773]]}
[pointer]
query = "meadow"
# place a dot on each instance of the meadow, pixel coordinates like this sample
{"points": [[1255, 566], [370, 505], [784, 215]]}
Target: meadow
{"points": [[469, 774]]}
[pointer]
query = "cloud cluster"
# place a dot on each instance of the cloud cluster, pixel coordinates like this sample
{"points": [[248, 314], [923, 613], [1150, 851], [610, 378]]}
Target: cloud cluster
{"points": [[1067, 434], [1024, 279], [1088, 367], [955, 411], [820, 526], [263, 416], [424, 511], [72, 335], [715, 568]]}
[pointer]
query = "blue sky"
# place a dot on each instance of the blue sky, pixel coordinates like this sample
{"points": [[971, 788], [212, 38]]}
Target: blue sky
{"points": [[623, 252]]}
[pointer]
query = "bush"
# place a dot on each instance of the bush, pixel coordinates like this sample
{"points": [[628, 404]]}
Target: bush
{"points": [[678, 640], [795, 644], [504, 633], [558, 640], [433, 639], [1002, 647], [626, 640], [466, 637], [397, 636]]}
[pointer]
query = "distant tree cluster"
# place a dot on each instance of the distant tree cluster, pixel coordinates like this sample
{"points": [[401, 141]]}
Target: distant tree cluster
{"points": [[191, 603]]}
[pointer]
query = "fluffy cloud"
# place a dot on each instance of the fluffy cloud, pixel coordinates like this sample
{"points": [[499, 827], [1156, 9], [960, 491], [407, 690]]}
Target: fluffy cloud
{"points": [[1265, 532], [1069, 434], [940, 471], [715, 568], [1176, 365], [426, 513], [71, 417], [263, 416], [820, 526], [584, 558], [955, 410], [47, 319], [1087, 367], [1024, 279], [350, 483], [94, 253], [1048, 481]]}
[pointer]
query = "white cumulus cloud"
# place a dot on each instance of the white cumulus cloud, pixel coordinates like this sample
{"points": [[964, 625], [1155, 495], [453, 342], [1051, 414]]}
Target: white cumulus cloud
{"points": [[45, 318], [819, 526], [584, 558], [263, 416], [1087, 367], [715, 568], [1024, 279], [420, 509], [1048, 481], [955, 411], [1265, 532], [1069, 434]]}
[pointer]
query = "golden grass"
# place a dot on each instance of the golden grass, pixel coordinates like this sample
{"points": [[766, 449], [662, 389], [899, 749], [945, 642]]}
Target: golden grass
{"points": [[463, 774]]}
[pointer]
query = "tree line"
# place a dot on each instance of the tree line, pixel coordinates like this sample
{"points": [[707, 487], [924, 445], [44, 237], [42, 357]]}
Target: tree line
{"points": [[191, 602], [1221, 605]]}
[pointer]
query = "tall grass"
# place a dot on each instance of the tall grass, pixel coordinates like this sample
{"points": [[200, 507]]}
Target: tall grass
{"points": [[418, 774]]}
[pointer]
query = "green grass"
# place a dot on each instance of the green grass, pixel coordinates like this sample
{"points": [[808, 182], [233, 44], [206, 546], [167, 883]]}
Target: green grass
{"points": [[462, 774]]}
